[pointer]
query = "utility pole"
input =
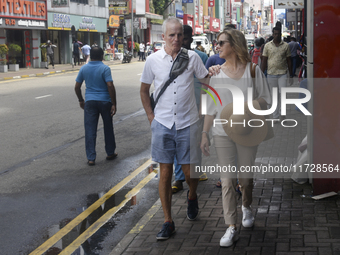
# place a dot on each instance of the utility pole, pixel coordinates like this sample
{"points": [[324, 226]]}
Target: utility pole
{"points": [[194, 25], [132, 25]]}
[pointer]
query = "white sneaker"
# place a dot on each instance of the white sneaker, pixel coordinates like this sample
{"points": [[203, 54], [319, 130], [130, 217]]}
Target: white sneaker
{"points": [[229, 237], [248, 218]]}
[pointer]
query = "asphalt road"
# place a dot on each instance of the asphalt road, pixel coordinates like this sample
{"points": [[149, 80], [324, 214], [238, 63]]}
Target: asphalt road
{"points": [[44, 178]]}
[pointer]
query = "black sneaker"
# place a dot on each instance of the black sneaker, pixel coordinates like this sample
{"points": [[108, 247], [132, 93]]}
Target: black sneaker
{"points": [[167, 230], [192, 210]]}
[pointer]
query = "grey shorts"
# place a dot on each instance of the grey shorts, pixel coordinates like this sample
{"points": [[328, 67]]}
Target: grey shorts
{"points": [[166, 143]]}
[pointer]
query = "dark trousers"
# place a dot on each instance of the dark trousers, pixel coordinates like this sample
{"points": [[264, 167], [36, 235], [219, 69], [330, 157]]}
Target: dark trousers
{"points": [[142, 55], [294, 62], [92, 111], [76, 57], [51, 57]]}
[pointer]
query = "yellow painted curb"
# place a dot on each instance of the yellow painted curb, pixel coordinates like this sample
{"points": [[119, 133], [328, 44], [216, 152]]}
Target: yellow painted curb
{"points": [[8, 78], [40, 74], [52, 72], [76, 221], [25, 76]]}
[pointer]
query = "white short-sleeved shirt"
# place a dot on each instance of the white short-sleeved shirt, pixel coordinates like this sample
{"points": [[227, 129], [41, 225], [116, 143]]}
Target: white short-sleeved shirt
{"points": [[218, 83], [177, 105]]}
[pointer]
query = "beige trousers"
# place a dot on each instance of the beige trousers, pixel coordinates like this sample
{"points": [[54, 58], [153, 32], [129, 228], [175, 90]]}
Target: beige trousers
{"points": [[227, 153]]}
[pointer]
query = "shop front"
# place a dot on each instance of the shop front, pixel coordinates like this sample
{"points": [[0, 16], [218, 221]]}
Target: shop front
{"points": [[88, 30], [20, 26]]}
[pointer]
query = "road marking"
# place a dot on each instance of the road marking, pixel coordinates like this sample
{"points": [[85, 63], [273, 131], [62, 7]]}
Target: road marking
{"points": [[43, 96], [77, 220], [106, 217], [139, 74]]}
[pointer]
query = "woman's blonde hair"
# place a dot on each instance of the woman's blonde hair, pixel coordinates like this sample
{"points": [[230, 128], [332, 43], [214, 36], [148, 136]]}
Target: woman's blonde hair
{"points": [[238, 43]]}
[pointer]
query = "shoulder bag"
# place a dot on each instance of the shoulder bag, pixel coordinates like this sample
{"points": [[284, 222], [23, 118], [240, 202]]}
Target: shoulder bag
{"points": [[270, 132], [178, 67]]}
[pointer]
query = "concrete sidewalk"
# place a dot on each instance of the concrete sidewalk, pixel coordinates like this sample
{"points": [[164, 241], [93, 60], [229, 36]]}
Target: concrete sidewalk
{"points": [[59, 68], [287, 219]]}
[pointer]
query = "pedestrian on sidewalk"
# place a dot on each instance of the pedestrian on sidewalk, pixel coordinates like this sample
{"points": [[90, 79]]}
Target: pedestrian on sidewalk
{"points": [[100, 99], [86, 51], [294, 46], [50, 52], [142, 51], [177, 185], [76, 52], [277, 56], [174, 118], [216, 60], [241, 144]]}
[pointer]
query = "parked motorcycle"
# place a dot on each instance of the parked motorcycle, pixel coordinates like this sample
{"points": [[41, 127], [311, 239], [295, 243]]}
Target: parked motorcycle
{"points": [[127, 57]]}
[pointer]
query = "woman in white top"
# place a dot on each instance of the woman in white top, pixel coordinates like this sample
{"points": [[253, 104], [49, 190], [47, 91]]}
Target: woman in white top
{"points": [[235, 71]]}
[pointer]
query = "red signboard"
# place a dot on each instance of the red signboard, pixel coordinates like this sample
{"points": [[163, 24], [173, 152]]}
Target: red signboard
{"points": [[28, 45], [215, 25], [211, 3], [188, 20]]}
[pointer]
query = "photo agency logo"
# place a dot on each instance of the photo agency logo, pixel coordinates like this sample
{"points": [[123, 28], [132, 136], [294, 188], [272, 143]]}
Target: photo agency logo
{"points": [[239, 103]]}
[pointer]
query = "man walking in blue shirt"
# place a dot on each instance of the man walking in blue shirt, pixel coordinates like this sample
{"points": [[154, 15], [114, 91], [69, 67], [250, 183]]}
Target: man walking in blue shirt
{"points": [[100, 99]]}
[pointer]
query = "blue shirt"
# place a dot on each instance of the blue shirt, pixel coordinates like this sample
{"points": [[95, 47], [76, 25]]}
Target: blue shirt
{"points": [[96, 74], [214, 60]]}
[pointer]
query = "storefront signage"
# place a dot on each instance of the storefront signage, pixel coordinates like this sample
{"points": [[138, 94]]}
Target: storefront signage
{"points": [[143, 23], [23, 14], [27, 38], [114, 21], [227, 8], [23, 9], [215, 25], [136, 23], [87, 24], [187, 1], [288, 4], [62, 21], [118, 8], [179, 14], [188, 20], [206, 27], [211, 3], [22, 23]]}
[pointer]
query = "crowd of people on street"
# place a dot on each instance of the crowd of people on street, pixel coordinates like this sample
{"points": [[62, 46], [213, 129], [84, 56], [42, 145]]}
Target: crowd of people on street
{"points": [[180, 133]]}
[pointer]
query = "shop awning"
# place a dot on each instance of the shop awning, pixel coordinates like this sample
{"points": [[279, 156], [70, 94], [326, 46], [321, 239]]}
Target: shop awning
{"points": [[150, 15]]}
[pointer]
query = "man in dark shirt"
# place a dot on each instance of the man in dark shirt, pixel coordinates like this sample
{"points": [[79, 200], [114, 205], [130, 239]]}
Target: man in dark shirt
{"points": [[294, 46], [76, 51]]}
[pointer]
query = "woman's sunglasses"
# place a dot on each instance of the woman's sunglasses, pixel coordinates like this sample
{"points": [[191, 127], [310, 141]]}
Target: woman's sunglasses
{"points": [[221, 43]]}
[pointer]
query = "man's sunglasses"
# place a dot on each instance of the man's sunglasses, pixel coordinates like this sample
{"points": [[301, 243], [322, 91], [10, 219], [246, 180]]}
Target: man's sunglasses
{"points": [[221, 43]]}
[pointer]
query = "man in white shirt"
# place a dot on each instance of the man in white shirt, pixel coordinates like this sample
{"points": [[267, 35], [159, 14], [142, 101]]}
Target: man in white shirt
{"points": [[142, 51], [174, 119]]}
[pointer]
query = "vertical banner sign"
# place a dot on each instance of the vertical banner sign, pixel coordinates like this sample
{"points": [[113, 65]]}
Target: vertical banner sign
{"points": [[211, 3], [227, 8], [28, 48]]}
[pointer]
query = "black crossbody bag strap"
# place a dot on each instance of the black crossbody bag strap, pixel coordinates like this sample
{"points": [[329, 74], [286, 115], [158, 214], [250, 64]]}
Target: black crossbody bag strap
{"points": [[173, 76]]}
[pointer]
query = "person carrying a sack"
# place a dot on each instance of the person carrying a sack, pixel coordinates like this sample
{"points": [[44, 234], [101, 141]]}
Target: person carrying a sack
{"points": [[235, 141], [174, 118]]}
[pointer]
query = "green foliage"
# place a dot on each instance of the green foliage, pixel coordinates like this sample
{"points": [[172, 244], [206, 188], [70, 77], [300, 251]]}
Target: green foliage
{"points": [[13, 50], [136, 47], [3, 52], [159, 6], [43, 52]]}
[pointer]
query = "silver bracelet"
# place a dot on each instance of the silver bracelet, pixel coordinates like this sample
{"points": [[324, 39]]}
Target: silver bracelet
{"points": [[205, 132]]}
